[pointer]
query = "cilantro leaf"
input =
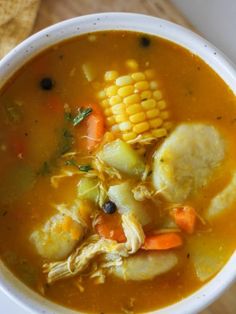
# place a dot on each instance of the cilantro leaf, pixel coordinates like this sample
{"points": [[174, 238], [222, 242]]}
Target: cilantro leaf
{"points": [[72, 162]]}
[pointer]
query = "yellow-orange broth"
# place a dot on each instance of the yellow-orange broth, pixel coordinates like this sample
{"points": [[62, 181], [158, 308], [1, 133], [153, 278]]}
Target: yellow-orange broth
{"points": [[194, 92]]}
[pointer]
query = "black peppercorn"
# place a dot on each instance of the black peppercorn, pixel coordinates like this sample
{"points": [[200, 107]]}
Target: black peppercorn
{"points": [[47, 83], [109, 207], [145, 41]]}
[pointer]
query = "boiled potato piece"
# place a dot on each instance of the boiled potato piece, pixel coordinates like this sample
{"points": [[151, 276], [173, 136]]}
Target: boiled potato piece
{"points": [[146, 266], [222, 201], [207, 255], [121, 156], [88, 189], [186, 160], [52, 241], [122, 196]]}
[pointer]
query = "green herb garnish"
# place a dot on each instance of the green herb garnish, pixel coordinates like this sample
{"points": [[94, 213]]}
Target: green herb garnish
{"points": [[72, 162], [83, 113], [66, 142]]}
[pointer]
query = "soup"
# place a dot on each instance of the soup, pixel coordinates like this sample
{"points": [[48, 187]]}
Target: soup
{"points": [[118, 173]]}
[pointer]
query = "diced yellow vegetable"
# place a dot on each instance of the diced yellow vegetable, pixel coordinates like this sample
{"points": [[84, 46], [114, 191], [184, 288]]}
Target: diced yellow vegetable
{"points": [[88, 189], [120, 155]]}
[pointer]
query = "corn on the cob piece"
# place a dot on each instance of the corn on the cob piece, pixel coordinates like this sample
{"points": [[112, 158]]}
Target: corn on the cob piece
{"points": [[134, 105]]}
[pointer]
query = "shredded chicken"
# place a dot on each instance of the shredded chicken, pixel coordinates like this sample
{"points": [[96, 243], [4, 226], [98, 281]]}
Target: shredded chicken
{"points": [[65, 173], [103, 169], [80, 259], [112, 252], [133, 232], [141, 192]]}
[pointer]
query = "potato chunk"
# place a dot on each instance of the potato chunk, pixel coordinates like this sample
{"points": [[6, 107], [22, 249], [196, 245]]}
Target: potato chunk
{"points": [[223, 201], [121, 156], [53, 240], [122, 196], [208, 255], [146, 266], [187, 160]]}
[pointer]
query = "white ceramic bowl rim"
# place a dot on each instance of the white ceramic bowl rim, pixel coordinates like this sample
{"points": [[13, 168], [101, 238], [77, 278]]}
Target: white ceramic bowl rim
{"points": [[133, 22]]}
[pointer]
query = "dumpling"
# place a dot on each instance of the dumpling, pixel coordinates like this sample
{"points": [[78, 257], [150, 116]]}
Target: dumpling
{"points": [[145, 266], [57, 237], [186, 160]]}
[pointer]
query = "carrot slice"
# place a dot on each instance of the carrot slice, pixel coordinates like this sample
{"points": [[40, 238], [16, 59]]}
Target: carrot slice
{"points": [[185, 218], [162, 241], [95, 127], [109, 227]]}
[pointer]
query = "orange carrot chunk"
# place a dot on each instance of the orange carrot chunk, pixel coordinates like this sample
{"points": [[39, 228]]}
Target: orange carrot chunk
{"points": [[185, 218], [162, 241], [109, 227], [95, 127]]}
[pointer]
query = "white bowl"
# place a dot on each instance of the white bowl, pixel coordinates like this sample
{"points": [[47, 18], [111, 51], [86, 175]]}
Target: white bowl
{"points": [[119, 21]]}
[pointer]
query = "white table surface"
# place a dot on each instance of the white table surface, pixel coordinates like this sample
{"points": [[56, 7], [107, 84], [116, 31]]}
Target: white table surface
{"points": [[216, 21]]}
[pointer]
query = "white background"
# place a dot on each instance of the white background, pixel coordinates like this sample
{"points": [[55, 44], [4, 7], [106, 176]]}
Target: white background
{"points": [[216, 21]]}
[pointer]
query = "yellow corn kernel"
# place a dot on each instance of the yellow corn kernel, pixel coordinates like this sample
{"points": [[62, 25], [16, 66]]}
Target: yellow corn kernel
{"points": [[159, 132], [153, 85], [142, 85], [115, 100], [125, 126], [147, 134], [153, 113], [111, 121], [134, 109], [111, 75], [124, 80], [111, 90], [108, 137], [132, 64], [157, 95], [132, 99], [168, 125], [121, 118], [126, 90], [108, 112], [164, 115], [148, 104], [101, 94], [155, 123], [129, 136], [118, 109], [161, 104], [115, 128], [141, 127], [147, 94], [104, 103], [138, 76], [137, 117], [150, 74]]}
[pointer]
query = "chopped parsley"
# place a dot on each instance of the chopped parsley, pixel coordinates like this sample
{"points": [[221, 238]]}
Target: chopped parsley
{"points": [[72, 162], [66, 142], [82, 114]]}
